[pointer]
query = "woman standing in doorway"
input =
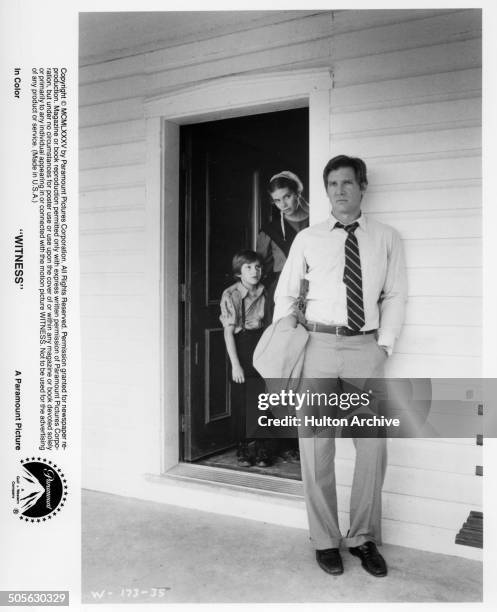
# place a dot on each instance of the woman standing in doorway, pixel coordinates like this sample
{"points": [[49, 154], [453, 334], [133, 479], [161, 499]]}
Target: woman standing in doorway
{"points": [[276, 236], [274, 242]]}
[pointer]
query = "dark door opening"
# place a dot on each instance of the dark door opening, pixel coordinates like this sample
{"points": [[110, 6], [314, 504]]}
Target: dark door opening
{"points": [[225, 169]]}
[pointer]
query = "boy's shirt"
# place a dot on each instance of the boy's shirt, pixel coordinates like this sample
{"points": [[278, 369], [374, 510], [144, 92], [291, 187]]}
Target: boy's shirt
{"points": [[231, 307]]}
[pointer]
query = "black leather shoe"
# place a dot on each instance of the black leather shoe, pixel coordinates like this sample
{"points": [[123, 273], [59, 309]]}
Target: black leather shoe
{"points": [[330, 561], [263, 458], [370, 558], [291, 456], [243, 456]]}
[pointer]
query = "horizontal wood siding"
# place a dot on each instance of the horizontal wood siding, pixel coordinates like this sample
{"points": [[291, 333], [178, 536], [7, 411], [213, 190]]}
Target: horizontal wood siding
{"points": [[407, 98]]}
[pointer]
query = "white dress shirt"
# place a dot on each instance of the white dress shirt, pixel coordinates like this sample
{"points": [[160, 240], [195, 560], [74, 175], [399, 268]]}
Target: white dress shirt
{"points": [[318, 254]]}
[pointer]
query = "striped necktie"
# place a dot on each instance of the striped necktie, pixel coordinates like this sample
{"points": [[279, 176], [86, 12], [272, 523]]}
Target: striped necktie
{"points": [[352, 278]]}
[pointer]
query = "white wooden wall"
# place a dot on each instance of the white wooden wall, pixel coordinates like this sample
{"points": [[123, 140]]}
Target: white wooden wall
{"points": [[407, 99]]}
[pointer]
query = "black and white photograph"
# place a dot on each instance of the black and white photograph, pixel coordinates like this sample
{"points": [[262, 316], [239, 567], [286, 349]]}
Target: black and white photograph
{"points": [[224, 158], [248, 304]]}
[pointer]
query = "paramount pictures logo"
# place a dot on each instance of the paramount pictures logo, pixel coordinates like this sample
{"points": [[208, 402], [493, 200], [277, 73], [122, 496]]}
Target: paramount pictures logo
{"points": [[39, 490]]}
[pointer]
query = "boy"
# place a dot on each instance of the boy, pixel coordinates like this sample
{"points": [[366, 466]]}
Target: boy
{"points": [[242, 315]]}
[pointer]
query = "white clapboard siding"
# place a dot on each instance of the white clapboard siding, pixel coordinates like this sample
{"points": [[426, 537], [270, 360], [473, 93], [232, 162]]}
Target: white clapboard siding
{"points": [[110, 373], [403, 91], [107, 328], [426, 511], [439, 340], [398, 64], [229, 46], [106, 112], [468, 391], [398, 117], [407, 98], [119, 440], [292, 54], [432, 366], [117, 132], [439, 225], [112, 284], [446, 253], [417, 482], [440, 195], [427, 171], [452, 311], [421, 32], [108, 241], [94, 199], [114, 90], [425, 454], [118, 176], [425, 145], [363, 20], [430, 143], [132, 405], [111, 305], [122, 350], [162, 31], [124, 217], [105, 71], [127, 260], [424, 537], [115, 401], [466, 282], [113, 155], [118, 446]]}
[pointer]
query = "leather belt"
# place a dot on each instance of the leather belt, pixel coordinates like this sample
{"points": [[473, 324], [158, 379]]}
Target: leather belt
{"points": [[337, 330]]}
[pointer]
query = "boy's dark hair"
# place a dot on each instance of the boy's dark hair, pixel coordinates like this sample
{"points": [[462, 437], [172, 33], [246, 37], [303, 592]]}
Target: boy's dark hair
{"points": [[344, 161], [244, 256]]}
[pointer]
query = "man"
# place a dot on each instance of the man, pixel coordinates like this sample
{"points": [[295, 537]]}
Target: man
{"points": [[355, 309]]}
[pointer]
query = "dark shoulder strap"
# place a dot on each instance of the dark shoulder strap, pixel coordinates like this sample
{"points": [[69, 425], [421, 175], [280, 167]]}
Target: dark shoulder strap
{"points": [[273, 230]]}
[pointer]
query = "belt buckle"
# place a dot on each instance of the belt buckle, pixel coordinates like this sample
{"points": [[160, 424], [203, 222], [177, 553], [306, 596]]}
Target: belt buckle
{"points": [[337, 330]]}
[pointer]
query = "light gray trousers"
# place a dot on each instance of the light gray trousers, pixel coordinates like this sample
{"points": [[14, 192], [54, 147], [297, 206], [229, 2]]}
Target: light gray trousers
{"points": [[359, 358]]}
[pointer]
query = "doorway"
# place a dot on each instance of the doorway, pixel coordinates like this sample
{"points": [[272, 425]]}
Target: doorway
{"points": [[225, 168]]}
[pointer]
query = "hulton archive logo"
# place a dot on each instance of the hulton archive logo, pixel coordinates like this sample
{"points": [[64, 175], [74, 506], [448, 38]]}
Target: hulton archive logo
{"points": [[39, 491]]}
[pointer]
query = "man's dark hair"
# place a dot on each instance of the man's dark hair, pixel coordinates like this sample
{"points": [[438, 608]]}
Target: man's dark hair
{"points": [[344, 161], [244, 257]]}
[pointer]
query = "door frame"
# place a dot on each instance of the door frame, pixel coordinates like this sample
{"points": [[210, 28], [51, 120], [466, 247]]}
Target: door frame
{"points": [[222, 99]]}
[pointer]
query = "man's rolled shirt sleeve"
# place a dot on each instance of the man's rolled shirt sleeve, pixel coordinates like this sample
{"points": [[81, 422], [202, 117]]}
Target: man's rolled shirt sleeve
{"points": [[394, 295]]}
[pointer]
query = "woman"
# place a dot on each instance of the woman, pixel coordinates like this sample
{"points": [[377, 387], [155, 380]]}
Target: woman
{"points": [[276, 236], [273, 243]]}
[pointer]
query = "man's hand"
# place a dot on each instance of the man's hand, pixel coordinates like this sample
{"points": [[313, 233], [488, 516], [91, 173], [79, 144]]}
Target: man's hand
{"points": [[238, 375], [384, 348]]}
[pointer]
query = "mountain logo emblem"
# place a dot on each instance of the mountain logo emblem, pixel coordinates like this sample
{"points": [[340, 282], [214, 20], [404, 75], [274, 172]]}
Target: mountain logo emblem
{"points": [[39, 491]]}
